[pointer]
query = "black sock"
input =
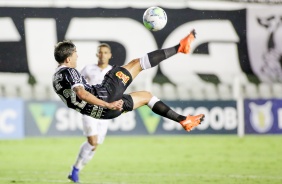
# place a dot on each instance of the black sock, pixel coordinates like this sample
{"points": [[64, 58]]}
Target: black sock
{"points": [[157, 56], [163, 110]]}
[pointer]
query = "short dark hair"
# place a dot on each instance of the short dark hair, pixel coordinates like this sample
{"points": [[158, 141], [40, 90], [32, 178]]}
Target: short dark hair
{"points": [[104, 45], [63, 50]]}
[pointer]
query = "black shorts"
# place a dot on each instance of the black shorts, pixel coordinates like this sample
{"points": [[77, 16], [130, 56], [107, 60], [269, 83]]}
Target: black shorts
{"points": [[112, 88]]}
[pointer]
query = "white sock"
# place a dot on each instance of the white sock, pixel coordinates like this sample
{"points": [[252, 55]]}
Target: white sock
{"points": [[84, 154], [144, 62], [152, 101], [88, 158]]}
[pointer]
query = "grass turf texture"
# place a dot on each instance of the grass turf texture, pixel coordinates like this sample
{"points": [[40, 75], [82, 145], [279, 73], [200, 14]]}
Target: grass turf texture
{"points": [[151, 159]]}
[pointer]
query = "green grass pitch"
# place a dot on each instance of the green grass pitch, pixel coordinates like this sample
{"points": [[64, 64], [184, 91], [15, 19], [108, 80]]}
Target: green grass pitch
{"points": [[143, 160]]}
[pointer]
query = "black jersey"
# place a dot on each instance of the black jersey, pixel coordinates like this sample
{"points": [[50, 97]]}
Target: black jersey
{"points": [[112, 88]]}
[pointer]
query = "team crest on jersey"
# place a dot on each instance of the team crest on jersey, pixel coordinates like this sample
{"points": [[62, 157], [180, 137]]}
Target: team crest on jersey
{"points": [[123, 77]]}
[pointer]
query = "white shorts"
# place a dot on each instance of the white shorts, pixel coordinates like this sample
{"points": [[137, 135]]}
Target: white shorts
{"points": [[92, 126]]}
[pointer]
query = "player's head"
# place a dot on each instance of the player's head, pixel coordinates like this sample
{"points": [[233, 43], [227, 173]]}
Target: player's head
{"points": [[104, 53], [104, 45], [65, 51]]}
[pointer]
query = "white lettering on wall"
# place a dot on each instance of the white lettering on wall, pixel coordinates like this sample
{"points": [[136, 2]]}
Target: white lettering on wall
{"points": [[68, 119], [217, 118], [125, 122], [6, 127], [223, 55], [41, 36], [8, 31], [137, 40]]}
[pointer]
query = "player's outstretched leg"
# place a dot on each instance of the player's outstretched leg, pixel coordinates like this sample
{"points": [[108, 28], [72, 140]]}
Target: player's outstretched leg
{"points": [[74, 175], [141, 98], [154, 58]]}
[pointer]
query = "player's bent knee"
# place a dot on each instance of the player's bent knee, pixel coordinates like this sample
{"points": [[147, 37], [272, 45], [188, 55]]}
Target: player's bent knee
{"points": [[149, 94], [132, 63], [93, 140], [146, 95]]}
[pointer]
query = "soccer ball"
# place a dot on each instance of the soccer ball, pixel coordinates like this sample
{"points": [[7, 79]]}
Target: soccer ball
{"points": [[154, 18]]}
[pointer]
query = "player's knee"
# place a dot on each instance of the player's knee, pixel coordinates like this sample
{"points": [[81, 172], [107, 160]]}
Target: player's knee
{"points": [[132, 64], [93, 140], [149, 94], [146, 95]]}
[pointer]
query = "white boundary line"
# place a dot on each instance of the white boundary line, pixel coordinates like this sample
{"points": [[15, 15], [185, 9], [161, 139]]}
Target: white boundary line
{"points": [[13, 180], [238, 176]]}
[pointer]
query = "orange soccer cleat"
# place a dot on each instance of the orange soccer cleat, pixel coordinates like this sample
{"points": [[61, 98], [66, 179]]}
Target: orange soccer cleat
{"points": [[192, 121], [186, 42]]}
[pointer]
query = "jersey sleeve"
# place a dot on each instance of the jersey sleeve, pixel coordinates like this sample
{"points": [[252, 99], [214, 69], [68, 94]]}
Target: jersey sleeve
{"points": [[74, 78]]}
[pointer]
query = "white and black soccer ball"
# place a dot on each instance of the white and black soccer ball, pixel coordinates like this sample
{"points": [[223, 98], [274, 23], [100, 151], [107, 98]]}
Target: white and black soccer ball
{"points": [[154, 18]]}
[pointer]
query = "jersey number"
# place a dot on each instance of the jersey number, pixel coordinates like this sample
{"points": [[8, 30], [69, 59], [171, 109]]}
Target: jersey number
{"points": [[68, 93]]}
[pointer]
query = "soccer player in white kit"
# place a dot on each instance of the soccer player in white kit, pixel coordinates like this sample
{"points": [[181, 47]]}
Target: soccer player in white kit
{"points": [[94, 129]]}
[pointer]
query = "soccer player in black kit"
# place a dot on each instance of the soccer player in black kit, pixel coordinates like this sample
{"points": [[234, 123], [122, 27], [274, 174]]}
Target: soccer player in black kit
{"points": [[107, 100]]}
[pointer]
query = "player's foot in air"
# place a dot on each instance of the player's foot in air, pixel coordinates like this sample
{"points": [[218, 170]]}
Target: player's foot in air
{"points": [[192, 121], [73, 176], [186, 42]]}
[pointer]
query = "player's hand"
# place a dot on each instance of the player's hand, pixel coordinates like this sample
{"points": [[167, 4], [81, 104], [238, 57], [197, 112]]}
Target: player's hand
{"points": [[116, 105]]}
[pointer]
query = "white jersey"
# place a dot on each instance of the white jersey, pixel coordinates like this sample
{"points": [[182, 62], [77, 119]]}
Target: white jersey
{"points": [[94, 74]]}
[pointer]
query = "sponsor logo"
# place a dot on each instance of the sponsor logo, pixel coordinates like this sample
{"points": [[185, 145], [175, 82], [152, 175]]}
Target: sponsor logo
{"points": [[43, 115], [149, 118], [125, 123], [11, 119], [53, 118], [67, 121], [279, 114], [261, 116], [216, 119], [123, 77]]}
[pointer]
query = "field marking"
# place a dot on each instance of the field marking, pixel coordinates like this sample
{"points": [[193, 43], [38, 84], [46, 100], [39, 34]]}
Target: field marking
{"points": [[238, 176], [13, 180], [193, 175]]}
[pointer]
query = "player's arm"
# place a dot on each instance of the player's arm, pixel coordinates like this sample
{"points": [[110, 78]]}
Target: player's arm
{"points": [[88, 97]]}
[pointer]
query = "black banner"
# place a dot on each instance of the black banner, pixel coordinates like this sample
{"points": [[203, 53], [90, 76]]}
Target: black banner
{"points": [[23, 55]]}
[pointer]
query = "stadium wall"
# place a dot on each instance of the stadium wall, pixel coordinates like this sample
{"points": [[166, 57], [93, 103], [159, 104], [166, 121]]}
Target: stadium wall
{"points": [[237, 50], [234, 40]]}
